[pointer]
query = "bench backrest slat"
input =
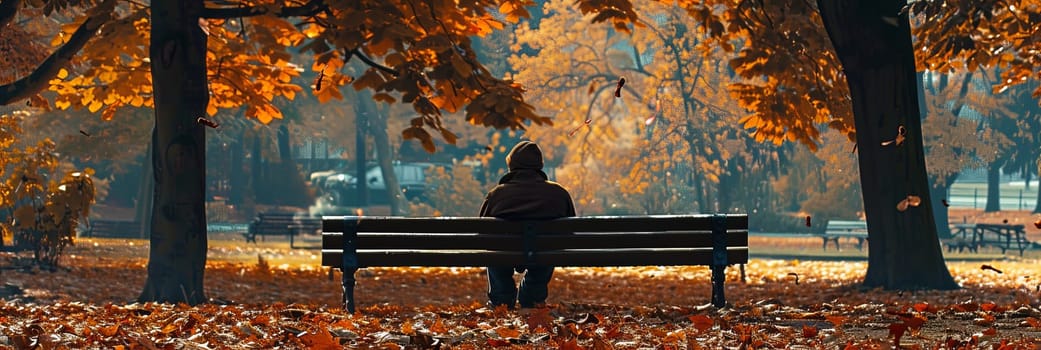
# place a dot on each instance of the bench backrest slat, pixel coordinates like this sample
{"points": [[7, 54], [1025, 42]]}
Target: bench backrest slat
{"points": [[492, 225], [588, 257], [515, 242]]}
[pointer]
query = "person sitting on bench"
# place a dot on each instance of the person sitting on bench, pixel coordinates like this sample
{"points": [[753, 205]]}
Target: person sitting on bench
{"points": [[524, 193]]}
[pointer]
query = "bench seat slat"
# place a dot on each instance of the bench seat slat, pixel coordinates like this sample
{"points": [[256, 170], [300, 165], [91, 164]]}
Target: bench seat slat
{"points": [[334, 240], [577, 258], [575, 224]]}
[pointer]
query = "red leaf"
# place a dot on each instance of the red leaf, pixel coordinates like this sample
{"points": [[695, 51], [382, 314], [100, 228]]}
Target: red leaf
{"points": [[836, 320], [896, 330], [1037, 223], [1034, 322], [990, 332], [809, 331], [498, 342], [540, 318], [808, 221], [701, 322]]}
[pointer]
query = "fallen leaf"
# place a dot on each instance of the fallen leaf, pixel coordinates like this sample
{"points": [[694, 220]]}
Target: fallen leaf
{"points": [[701, 322], [540, 318], [809, 331], [84, 133], [796, 277], [836, 320], [988, 267], [896, 330]]}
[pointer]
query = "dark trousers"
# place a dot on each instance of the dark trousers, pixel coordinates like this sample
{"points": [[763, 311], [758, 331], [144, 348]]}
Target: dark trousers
{"points": [[533, 288]]}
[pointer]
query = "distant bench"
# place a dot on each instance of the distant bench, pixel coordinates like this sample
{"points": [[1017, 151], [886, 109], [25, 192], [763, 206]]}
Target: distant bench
{"points": [[114, 229], [281, 224], [352, 242], [852, 229]]}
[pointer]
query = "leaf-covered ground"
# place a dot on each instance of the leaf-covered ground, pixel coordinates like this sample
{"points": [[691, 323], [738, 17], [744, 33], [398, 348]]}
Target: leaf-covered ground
{"points": [[268, 296]]}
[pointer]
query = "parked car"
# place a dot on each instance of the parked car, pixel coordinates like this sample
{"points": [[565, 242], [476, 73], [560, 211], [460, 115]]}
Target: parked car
{"points": [[340, 187]]}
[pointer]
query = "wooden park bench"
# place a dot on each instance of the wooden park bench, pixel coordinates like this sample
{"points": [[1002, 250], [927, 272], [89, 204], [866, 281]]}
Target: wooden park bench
{"points": [[852, 229], [114, 229], [1001, 236], [281, 224], [352, 242]]}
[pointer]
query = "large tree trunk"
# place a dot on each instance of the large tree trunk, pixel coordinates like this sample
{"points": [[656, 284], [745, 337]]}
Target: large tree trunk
{"points": [[940, 211], [378, 128], [177, 254], [361, 126], [1037, 200], [993, 188], [145, 194], [873, 41]]}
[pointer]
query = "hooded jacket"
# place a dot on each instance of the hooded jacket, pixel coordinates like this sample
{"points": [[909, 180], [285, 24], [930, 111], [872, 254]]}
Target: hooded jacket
{"points": [[525, 192]]}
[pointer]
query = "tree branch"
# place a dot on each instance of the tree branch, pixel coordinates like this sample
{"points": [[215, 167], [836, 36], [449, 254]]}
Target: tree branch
{"points": [[309, 9], [8, 8], [371, 63], [37, 80]]}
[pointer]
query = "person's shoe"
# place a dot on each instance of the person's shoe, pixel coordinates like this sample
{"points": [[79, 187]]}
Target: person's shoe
{"points": [[540, 305]]}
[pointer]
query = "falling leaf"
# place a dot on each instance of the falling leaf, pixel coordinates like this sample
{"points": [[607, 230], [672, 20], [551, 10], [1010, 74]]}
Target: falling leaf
{"points": [[796, 277], [1004, 221], [1037, 223], [205, 26], [318, 80], [488, 148], [649, 120], [808, 224], [592, 87], [618, 90], [902, 205], [944, 201], [207, 122], [988, 267], [913, 200], [84, 133]]}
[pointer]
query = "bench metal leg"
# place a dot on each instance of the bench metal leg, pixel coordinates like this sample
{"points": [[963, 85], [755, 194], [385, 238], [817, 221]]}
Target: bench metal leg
{"points": [[348, 289], [718, 277]]}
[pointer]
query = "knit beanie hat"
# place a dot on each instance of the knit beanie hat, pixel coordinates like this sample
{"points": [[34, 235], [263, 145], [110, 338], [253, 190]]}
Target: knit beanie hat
{"points": [[525, 155]]}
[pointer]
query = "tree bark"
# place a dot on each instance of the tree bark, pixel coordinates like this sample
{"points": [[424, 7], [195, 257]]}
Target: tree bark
{"points": [[993, 188], [145, 194], [941, 211], [1037, 200], [177, 254], [873, 42], [361, 183], [378, 128]]}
